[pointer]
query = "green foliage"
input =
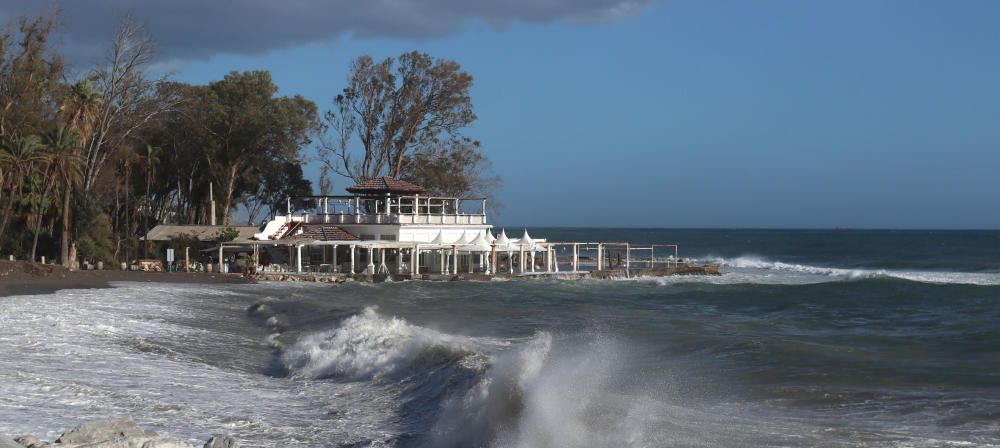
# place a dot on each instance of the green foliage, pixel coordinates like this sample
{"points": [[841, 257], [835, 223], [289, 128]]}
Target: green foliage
{"points": [[227, 234], [98, 242], [395, 107], [189, 240]]}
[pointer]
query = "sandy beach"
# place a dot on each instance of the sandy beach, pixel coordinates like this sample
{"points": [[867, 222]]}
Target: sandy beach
{"points": [[20, 278]]}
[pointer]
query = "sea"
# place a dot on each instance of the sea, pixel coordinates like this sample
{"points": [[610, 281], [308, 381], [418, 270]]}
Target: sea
{"points": [[809, 338]]}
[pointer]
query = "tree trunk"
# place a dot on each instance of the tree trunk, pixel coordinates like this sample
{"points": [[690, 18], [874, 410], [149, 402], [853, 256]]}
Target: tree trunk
{"points": [[64, 240], [230, 186]]}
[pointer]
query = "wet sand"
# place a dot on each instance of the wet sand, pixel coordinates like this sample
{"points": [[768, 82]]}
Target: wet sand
{"points": [[21, 278]]}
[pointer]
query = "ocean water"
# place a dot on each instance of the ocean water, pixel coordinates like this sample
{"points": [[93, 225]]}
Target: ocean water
{"points": [[810, 338]]}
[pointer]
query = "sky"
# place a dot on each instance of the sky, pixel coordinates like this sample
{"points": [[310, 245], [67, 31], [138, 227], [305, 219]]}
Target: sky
{"points": [[633, 113]]}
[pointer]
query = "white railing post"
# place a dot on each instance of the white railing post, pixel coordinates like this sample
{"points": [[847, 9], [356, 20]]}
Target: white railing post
{"points": [[628, 252], [336, 268], [600, 260]]}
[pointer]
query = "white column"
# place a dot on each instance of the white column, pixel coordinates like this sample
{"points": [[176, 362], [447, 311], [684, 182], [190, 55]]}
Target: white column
{"points": [[548, 259], [454, 257], [576, 257], [298, 258], [600, 261], [352, 259], [370, 269], [415, 255], [532, 261], [444, 266]]}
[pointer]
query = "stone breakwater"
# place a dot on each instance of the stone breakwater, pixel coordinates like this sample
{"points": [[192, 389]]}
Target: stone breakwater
{"points": [[121, 433]]}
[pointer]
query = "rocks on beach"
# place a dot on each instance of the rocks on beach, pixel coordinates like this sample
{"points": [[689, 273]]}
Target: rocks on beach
{"points": [[120, 433]]}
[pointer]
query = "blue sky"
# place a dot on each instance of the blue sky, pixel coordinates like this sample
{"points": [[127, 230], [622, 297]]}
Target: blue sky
{"points": [[712, 114]]}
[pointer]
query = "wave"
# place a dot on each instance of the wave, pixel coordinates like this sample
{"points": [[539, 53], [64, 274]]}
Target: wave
{"points": [[370, 346], [749, 263], [516, 392]]}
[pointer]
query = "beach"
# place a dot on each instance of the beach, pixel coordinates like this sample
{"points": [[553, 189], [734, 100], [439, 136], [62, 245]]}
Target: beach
{"points": [[19, 278]]}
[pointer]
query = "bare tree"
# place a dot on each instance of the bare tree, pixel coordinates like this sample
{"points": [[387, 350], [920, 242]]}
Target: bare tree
{"points": [[130, 100]]}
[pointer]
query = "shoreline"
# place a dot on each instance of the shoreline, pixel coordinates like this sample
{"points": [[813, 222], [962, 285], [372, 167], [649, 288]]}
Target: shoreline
{"points": [[23, 278]]}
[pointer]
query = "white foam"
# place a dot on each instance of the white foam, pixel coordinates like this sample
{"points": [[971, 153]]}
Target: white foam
{"points": [[369, 345], [750, 269]]}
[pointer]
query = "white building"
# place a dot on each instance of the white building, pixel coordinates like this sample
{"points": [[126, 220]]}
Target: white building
{"points": [[379, 227]]}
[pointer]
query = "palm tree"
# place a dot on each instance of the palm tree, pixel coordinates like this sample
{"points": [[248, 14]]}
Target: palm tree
{"points": [[69, 168], [61, 148], [17, 155], [79, 110]]}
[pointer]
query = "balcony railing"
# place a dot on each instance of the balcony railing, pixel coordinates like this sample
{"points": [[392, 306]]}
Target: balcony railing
{"points": [[395, 210]]}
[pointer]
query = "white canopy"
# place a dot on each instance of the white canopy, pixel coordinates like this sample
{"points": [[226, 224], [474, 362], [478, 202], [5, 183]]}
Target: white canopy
{"points": [[467, 237], [439, 239], [526, 243], [502, 242], [477, 245]]}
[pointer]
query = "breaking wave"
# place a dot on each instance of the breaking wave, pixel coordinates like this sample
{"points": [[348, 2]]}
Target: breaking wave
{"points": [[370, 346], [519, 392], [752, 264]]}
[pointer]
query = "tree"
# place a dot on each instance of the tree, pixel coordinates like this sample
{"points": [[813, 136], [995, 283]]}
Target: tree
{"points": [[60, 143], [249, 128], [457, 169], [394, 108], [17, 156], [69, 168], [150, 159]]}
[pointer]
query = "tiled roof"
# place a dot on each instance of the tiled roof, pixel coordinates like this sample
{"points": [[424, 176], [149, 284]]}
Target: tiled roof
{"points": [[385, 184], [322, 232]]}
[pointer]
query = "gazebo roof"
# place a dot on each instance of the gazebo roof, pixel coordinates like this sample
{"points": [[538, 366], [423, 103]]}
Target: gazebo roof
{"points": [[385, 184]]}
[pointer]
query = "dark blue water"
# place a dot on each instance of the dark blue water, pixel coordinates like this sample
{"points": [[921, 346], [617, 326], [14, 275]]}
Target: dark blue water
{"points": [[810, 338]]}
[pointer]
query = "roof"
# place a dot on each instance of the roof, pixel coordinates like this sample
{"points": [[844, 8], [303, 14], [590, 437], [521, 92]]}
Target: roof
{"points": [[321, 232], [164, 232], [385, 184]]}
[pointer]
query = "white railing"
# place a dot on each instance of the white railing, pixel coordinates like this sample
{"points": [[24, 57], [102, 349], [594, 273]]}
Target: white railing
{"points": [[414, 209]]}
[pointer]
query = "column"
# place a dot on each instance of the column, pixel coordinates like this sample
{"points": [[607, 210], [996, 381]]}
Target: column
{"points": [[352, 259], [493, 259], [548, 259], [335, 267], [370, 269], [298, 258], [628, 251], [454, 257], [444, 267], [600, 261], [576, 257]]}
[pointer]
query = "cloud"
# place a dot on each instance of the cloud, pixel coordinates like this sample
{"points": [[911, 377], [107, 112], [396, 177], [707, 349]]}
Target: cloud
{"points": [[193, 29]]}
